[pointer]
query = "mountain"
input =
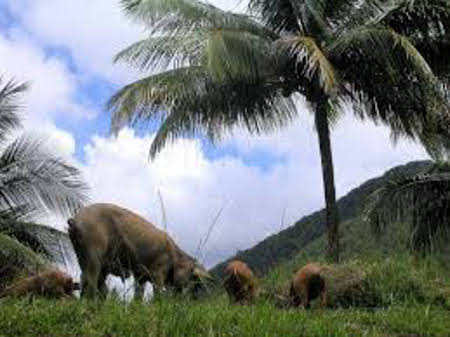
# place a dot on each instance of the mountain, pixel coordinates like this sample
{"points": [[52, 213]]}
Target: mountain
{"points": [[288, 243]]}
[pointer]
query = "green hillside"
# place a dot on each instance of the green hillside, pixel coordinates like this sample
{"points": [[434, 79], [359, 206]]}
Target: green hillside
{"points": [[289, 242], [377, 290]]}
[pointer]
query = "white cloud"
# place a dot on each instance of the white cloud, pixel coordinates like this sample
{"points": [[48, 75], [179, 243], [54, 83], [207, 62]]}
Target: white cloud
{"points": [[53, 87], [92, 30], [231, 5], [59, 141]]}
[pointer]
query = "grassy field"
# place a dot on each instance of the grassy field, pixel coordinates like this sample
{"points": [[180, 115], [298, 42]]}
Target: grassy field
{"points": [[175, 317], [409, 297], [377, 290]]}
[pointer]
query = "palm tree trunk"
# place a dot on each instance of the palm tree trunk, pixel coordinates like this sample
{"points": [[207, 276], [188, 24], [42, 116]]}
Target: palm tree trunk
{"points": [[332, 217]]}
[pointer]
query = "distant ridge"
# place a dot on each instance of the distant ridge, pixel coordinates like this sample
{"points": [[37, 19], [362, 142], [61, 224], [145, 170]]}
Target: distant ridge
{"points": [[288, 243]]}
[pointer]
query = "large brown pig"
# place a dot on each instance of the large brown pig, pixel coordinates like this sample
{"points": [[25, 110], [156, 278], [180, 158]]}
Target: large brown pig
{"points": [[49, 283], [109, 239], [307, 284], [240, 283]]}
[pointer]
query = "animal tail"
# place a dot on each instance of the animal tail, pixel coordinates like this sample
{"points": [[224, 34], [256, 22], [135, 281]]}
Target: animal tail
{"points": [[76, 239], [73, 233]]}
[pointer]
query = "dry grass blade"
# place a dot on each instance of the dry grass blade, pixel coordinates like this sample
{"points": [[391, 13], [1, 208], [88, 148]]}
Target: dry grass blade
{"points": [[163, 210], [202, 242]]}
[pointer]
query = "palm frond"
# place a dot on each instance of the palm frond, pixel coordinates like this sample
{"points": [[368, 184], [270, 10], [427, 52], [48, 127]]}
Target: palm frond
{"points": [[280, 16], [364, 13], [238, 56], [177, 16], [150, 11], [48, 241], [338, 11], [31, 176], [145, 99], [41, 239], [393, 85], [418, 18], [10, 94], [309, 17], [311, 61], [423, 201], [161, 52], [290, 16], [257, 108], [427, 24], [228, 54], [192, 102]]}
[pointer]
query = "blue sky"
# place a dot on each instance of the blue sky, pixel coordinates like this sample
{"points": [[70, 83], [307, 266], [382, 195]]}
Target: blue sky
{"points": [[65, 49]]}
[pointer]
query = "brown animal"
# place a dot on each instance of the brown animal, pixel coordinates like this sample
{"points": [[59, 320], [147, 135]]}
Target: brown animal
{"points": [[307, 284], [240, 283], [109, 239], [50, 283]]}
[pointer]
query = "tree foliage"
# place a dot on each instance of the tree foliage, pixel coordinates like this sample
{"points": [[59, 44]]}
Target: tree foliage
{"points": [[422, 201], [208, 60], [33, 182]]}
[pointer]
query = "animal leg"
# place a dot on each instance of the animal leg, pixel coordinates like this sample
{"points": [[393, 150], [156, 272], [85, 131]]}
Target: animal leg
{"points": [[323, 298], [101, 284], [139, 288], [89, 279], [295, 299], [306, 300]]}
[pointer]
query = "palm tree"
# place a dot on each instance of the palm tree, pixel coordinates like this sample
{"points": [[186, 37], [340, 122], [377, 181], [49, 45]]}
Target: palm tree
{"points": [[217, 70], [33, 182], [422, 200]]}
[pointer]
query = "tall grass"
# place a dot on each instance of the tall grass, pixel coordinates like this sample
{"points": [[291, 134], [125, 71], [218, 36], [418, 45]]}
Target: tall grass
{"points": [[174, 317]]}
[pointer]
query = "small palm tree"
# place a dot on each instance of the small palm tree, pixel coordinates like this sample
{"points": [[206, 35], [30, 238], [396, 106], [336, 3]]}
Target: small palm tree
{"points": [[422, 200], [33, 182], [218, 70]]}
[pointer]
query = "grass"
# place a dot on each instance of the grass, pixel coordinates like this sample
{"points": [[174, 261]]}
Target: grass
{"points": [[374, 292], [213, 317], [373, 273], [407, 289]]}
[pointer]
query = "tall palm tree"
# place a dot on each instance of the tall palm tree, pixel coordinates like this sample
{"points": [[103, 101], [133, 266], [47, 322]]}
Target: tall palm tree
{"points": [[216, 70], [33, 182]]}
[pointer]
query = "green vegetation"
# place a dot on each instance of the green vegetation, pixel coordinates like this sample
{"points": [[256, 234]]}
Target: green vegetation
{"points": [[369, 277], [17, 259], [413, 309], [220, 70], [422, 200], [33, 181]]}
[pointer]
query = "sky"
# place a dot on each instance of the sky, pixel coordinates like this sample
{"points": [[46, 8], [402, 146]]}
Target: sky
{"points": [[248, 186]]}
